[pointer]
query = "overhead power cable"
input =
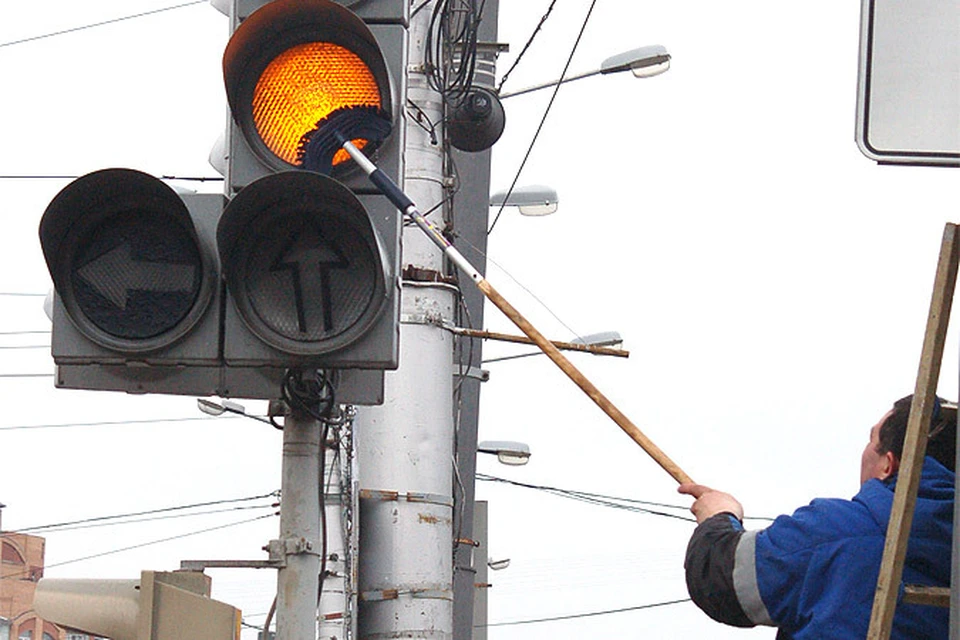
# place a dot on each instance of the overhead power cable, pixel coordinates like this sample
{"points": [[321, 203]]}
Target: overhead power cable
{"points": [[170, 516], [19, 574], [627, 504], [103, 423], [212, 503], [37, 177], [529, 292], [161, 540], [59, 177], [100, 24], [588, 614], [530, 40]]}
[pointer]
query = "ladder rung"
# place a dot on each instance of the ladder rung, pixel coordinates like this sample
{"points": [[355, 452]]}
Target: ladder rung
{"points": [[933, 596]]}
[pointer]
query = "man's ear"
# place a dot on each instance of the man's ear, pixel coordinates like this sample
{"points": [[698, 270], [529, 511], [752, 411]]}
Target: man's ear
{"points": [[891, 464]]}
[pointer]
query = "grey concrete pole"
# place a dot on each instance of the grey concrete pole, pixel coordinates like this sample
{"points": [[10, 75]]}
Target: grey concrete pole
{"points": [[405, 446], [299, 542], [480, 617], [471, 220]]}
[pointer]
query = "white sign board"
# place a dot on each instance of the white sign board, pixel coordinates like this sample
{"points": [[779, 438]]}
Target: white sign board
{"points": [[908, 94]]}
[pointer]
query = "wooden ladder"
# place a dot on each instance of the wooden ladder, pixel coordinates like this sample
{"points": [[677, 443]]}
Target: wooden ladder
{"points": [[911, 462]]}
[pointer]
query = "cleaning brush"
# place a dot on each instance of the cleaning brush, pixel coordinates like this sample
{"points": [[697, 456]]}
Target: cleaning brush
{"points": [[318, 148]]}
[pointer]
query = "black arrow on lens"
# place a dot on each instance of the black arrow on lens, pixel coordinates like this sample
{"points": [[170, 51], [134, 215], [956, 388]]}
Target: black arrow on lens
{"points": [[308, 250], [116, 273]]}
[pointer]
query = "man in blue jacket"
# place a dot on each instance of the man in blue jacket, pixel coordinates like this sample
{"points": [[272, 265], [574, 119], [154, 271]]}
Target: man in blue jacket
{"points": [[813, 574]]}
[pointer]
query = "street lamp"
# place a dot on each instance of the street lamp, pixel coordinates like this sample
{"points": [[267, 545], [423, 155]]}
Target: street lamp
{"points": [[530, 200], [508, 452], [644, 62], [212, 408], [602, 339]]}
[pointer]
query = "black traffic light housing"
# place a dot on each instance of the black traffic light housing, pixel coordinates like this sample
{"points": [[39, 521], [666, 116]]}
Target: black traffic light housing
{"points": [[272, 51], [311, 280], [288, 66], [135, 271], [307, 271], [141, 300]]}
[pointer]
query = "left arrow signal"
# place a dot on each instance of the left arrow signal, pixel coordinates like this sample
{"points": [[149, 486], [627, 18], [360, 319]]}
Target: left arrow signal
{"points": [[116, 273]]}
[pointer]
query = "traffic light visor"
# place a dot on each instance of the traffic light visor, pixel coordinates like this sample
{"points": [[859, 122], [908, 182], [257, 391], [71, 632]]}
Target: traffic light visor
{"points": [[290, 65]]}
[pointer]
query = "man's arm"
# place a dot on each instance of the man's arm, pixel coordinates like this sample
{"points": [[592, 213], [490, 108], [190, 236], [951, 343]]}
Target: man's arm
{"points": [[720, 562], [710, 564]]}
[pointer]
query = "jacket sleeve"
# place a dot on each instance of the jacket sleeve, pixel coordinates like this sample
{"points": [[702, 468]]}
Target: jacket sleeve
{"points": [[721, 572]]}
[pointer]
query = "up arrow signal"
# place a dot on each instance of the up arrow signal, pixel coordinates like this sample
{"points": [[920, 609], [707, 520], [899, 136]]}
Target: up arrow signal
{"points": [[309, 260], [116, 273]]}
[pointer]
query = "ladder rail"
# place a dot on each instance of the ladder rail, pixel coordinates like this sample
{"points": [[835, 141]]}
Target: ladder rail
{"points": [[915, 442]]}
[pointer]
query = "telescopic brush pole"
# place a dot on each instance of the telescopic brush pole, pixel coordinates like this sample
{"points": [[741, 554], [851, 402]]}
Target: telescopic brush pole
{"points": [[406, 206]]}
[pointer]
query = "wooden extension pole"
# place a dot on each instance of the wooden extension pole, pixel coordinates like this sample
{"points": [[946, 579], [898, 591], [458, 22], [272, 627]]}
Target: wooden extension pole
{"points": [[407, 206], [581, 381], [915, 441]]}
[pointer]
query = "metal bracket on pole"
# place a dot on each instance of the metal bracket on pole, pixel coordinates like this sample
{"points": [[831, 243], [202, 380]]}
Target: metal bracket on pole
{"points": [[475, 373], [280, 549], [423, 319]]}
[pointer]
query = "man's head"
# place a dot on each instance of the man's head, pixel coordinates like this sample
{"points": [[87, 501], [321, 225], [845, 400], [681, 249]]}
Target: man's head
{"points": [[881, 456]]}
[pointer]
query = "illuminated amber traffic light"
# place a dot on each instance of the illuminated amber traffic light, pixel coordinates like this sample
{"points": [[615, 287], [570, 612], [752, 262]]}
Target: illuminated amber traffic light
{"points": [[291, 64], [304, 85]]}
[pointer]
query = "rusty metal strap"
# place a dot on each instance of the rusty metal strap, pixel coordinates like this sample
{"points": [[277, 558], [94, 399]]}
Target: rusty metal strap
{"points": [[413, 592], [410, 496]]}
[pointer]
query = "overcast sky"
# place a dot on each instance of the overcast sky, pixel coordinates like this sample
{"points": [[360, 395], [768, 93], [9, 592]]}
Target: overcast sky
{"points": [[770, 282]]}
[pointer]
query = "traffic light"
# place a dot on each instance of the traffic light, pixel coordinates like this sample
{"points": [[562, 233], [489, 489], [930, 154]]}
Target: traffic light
{"points": [[291, 63], [208, 294], [311, 262], [159, 606], [308, 278], [137, 292]]}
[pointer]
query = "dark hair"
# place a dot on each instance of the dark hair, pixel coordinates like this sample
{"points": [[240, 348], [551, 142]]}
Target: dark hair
{"points": [[942, 441]]}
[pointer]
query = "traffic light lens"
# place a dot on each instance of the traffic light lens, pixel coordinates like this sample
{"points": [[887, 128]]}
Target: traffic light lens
{"points": [[314, 279], [304, 85], [136, 277], [303, 264]]}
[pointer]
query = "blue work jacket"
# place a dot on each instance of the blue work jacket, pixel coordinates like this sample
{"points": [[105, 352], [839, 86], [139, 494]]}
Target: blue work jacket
{"points": [[813, 574]]}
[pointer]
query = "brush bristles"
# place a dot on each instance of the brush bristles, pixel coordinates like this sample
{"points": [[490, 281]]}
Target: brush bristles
{"points": [[318, 147]]}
